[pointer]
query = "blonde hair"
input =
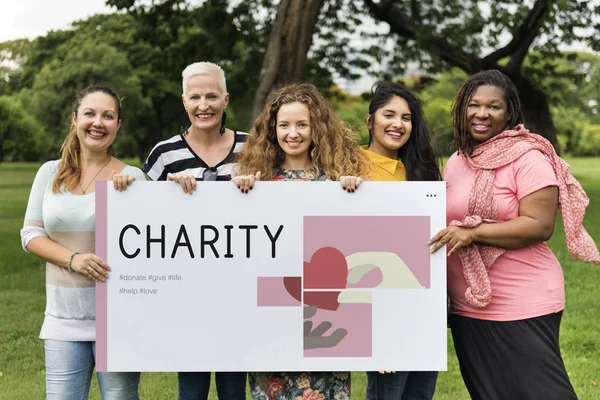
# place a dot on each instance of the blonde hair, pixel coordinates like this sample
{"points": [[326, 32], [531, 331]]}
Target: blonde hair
{"points": [[333, 149], [204, 68], [69, 167]]}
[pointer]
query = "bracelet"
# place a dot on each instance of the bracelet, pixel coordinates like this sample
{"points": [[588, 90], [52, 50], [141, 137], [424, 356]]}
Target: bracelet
{"points": [[71, 260]]}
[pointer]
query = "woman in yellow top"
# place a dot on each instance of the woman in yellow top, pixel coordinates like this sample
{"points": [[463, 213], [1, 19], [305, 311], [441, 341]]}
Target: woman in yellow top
{"points": [[400, 149], [399, 141]]}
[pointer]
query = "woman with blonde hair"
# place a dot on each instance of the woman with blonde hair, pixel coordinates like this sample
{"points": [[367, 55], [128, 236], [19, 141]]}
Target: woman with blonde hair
{"points": [[297, 136], [59, 228]]}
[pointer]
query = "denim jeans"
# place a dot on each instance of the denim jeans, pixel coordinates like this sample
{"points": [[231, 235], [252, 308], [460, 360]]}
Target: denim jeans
{"points": [[419, 385], [195, 385], [69, 368]]}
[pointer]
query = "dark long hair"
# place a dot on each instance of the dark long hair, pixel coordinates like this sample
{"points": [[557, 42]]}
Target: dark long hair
{"points": [[493, 77], [417, 154]]}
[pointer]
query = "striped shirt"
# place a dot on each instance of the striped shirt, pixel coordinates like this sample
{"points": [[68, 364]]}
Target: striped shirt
{"points": [[175, 155]]}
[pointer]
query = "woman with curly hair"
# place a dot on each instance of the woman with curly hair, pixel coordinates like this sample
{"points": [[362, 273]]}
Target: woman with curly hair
{"points": [[297, 136]]}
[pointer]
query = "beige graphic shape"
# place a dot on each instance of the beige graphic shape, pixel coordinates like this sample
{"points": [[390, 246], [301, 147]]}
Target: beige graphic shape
{"points": [[348, 296], [396, 274]]}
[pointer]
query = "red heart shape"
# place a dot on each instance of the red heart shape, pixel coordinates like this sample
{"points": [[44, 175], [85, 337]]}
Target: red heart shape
{"points": [[323, 300], [327, 269]]}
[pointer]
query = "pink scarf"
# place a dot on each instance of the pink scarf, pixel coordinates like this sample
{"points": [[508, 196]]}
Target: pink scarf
{"points": [[494, 153]]}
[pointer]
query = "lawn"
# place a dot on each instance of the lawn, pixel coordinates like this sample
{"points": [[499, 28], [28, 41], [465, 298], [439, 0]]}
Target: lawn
{"points": [[22, 300]]}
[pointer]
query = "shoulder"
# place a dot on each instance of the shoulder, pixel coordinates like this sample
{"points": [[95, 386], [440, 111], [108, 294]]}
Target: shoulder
{"points": [[532, 165], [164, 153], [49, 168], [240, 139], [530, 172], [454, 161], [454, 158], [532, 157], [172, 143], [135, 171]]}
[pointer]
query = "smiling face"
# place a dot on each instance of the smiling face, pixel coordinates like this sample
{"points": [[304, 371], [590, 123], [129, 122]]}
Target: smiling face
{"points": [[293, 131], [97, 121], [390, 126], [204, 101], [486, 114]]}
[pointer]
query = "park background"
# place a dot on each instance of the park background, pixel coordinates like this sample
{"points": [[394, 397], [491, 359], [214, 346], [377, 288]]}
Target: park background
{"points": [[549, 49]]}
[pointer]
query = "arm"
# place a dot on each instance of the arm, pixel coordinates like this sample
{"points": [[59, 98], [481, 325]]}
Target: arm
{"points": [[35, 238], [535, 224], [87, 264], [535, 186]]}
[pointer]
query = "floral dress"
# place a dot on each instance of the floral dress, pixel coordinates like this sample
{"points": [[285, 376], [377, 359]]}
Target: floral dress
{"points": [[299, 385], [313, 174]]}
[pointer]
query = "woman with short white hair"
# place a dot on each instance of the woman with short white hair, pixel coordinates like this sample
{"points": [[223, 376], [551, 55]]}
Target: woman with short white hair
{"points": [[204, 151]]}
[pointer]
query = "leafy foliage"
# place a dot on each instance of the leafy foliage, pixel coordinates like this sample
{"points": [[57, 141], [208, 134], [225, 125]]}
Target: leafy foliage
{"points": [[141, 54], [21, 136], [142, 50]]}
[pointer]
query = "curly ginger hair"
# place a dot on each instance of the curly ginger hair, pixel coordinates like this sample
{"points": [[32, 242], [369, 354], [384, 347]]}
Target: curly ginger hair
{"points": [[333, 149]]}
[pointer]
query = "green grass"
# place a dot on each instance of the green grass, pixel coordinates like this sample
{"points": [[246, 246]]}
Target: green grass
{"points": [[22, 301]]}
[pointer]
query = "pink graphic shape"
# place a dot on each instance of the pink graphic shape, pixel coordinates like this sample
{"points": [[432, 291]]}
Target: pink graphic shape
{"points": [[327, 269], [101, 288], [278, 291], [370, 280], [293, 285], [322, 300], [357, 319], [406, 236]]}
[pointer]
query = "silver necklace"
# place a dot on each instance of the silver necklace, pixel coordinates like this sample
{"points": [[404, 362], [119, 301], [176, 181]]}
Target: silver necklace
{"points": [[93, 179]]}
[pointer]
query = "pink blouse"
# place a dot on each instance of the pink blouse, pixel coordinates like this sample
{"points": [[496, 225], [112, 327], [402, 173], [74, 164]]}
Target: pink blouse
{"points": [[527, 282]]}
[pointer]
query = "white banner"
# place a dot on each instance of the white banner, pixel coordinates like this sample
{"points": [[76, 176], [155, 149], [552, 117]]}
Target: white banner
{"points": [[293, 276]]}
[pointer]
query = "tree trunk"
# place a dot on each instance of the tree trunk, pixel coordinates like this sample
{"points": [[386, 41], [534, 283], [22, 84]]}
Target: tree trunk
{"points": [[536, 110], [287, 51]]}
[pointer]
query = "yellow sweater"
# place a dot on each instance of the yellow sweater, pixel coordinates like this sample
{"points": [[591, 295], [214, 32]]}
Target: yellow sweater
{"points": [[384, 168]]}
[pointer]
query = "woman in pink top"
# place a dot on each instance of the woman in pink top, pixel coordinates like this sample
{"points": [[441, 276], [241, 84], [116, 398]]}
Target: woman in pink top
{"points": [[506, 288]]}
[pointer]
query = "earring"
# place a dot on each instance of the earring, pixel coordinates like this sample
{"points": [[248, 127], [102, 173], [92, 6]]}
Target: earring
{"points": [[223, 120], [184, 124]]}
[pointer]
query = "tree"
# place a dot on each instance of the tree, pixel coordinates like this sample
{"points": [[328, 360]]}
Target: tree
{"points": [[287, 51], [454, 33], [13, 54], [141, 54], [470, 35], [52, 95], [21, 136], [176, 34]]}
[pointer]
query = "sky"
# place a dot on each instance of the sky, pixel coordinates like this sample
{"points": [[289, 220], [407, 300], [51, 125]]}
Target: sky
{"points": [[32, 18]]}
